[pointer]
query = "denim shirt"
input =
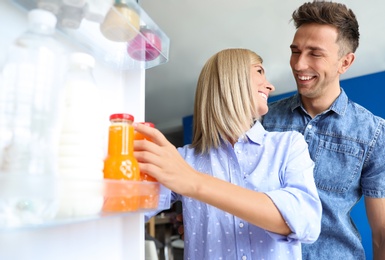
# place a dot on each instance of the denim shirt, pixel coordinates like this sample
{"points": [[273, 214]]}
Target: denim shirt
{"points": [[347, 144]]}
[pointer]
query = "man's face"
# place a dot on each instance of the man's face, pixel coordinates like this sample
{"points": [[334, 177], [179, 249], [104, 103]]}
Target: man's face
{"points": [[314, 60]]}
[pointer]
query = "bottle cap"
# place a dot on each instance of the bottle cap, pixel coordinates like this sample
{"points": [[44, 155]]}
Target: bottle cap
{"points": [[49, 5], [40, 16], [122, 116], [75, 3]]}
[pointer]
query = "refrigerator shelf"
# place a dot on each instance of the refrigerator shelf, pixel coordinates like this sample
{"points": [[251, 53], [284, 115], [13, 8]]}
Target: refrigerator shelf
{"points": [[122, 35], [30, 201]]}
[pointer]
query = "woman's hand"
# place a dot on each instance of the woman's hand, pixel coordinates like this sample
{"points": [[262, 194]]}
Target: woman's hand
{"points": [[161, 159]]}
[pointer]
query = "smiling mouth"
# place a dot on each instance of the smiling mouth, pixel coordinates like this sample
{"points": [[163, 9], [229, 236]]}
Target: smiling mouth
{"points": [[263, 95], [305, 78]]}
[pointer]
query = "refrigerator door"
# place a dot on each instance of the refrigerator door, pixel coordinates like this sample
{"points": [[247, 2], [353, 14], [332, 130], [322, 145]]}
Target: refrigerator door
{"points": [[87, 26]]}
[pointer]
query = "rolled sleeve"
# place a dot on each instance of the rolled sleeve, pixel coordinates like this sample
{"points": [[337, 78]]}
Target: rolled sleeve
{"points": [[298, 200], [373, 172]]}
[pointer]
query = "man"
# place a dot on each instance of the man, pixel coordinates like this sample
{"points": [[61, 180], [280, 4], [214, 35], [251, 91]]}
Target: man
{"points": [[346, 141]]}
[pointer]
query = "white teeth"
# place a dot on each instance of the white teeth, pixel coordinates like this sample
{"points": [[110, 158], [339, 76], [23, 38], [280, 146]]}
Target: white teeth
{"points": [[304, 77], [263, 95]]}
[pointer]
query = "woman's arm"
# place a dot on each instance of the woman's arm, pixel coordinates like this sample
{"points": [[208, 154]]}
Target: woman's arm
{"points": [[162, 160]]}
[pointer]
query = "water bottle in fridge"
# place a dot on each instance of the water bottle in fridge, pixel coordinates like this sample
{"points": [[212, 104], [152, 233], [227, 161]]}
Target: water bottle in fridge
{"points": [[29, 107]]}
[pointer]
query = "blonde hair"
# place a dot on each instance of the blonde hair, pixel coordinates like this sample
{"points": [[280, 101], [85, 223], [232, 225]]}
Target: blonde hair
{"points": [[224, 107]]}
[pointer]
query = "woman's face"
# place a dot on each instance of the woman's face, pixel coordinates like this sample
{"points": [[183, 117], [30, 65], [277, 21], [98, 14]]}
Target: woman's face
{"points": [[261, 88]]}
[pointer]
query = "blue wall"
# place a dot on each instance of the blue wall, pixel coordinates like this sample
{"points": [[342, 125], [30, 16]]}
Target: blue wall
{"points": [[187, 129], [368, 91]]}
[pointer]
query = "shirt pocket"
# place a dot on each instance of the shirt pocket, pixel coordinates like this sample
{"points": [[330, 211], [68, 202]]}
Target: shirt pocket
{"points": [[337, 166]]}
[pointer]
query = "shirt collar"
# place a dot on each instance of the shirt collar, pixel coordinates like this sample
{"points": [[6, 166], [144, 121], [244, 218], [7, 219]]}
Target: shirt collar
{"points": [[295, 102], [256, 133], [339, 105]]}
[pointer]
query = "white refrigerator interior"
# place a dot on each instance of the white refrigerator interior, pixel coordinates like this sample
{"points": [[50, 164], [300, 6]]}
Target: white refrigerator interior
{"points": [[119, 236]]}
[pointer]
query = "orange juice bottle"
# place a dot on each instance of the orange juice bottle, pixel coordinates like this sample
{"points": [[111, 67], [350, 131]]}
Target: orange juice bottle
{"points": [[150, 191], [120, 164]]}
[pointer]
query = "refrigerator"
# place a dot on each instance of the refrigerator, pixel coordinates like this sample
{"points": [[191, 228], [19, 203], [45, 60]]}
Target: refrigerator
{"points": [[121, 76]]}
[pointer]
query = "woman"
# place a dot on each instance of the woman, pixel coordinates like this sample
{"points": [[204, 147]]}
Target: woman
{"points": [[246, 193]]}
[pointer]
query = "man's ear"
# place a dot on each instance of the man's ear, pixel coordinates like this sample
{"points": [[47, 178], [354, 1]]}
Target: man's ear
{"points": [[346, 62]]}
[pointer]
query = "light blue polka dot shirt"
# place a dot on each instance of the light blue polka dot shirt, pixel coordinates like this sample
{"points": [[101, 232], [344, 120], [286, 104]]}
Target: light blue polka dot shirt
{"points": [[277, 163]]}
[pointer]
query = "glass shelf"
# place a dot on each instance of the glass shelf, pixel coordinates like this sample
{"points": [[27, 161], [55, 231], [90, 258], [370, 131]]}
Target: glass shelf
{"points": [[122, 35], [30, 201]]}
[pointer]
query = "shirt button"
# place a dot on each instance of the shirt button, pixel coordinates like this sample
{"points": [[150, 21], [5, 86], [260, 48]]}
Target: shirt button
{"points": [[241, 225], [310, 126], [244, 257]]}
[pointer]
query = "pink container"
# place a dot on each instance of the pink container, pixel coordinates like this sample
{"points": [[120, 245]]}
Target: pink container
{"points": [[145, 46]]}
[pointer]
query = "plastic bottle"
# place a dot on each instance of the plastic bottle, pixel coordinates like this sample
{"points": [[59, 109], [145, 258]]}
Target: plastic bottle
{"points": [[150, 191], [120, 164], [81, 141], [29, 98]]}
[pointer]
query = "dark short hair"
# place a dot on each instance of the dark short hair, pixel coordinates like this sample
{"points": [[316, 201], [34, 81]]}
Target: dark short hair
{"points": [[334, 14]]}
